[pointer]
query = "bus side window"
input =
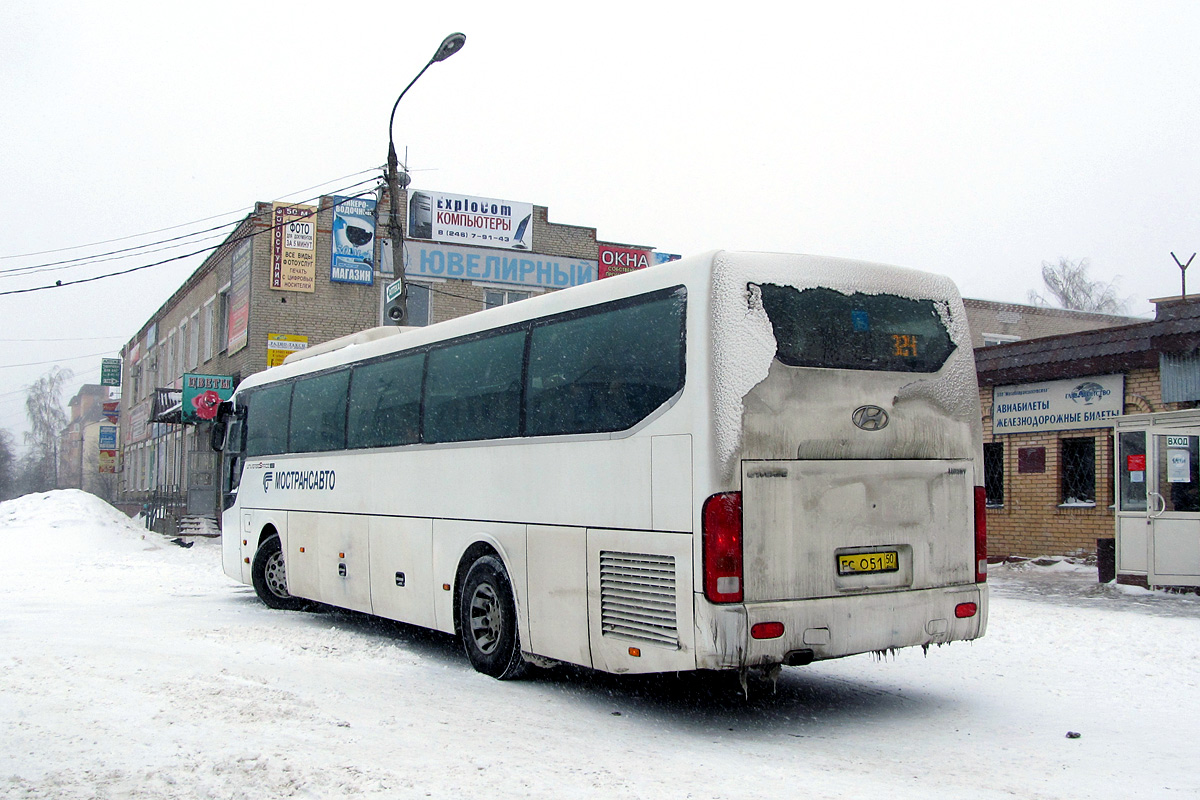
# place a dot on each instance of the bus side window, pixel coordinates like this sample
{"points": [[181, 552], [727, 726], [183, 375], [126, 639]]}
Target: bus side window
{"points": [[605, 371], [318, 421], [385, 402], [473, 389], [266, 423]]}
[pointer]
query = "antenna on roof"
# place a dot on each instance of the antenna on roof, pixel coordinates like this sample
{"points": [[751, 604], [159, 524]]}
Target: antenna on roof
{"points": [[1182, 273]]}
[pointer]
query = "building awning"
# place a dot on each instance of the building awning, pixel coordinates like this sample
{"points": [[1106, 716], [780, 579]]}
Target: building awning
{"points": [[168, 406]]}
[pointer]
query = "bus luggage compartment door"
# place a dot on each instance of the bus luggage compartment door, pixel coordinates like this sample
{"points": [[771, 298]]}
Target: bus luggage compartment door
{"points": [[828, 528]]}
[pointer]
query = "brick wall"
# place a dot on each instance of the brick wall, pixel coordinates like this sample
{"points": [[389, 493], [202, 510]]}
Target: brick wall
{"points": [[1033, 521]]}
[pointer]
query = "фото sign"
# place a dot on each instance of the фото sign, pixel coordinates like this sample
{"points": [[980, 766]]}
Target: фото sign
{"points": [[353, 258], [497, 266], [293, 248], [201, 396], [466, 219], [1058, 405]]}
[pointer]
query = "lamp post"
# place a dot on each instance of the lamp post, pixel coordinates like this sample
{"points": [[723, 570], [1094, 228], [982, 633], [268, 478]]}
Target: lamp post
{"points": [[399, 315]]}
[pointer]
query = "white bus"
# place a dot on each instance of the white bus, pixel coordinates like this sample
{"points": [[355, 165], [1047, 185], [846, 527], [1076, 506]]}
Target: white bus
{"points": [[734, 461]]}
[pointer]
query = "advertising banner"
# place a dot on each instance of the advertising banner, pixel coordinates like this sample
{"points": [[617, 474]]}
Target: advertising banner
{"points": [[201, 396], [466, 219], [497, 266], [1058, 405], [282, 345], [112, 411], [108, 437], [238, 325], [293, 248], [616, 260], [110, 372], [139, 419], [108, 462], [353, 258]]}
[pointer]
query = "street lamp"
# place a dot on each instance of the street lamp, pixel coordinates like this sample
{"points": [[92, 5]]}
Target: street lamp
{"points": [[399, 315]]}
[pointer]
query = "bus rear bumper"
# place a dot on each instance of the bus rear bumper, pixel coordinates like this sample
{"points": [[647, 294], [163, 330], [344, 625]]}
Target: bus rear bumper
{"points": [[832, 627]]}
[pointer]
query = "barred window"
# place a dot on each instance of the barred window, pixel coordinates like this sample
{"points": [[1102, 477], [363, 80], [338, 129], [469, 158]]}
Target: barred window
{"points": [[1078, 470], [993, 473]]}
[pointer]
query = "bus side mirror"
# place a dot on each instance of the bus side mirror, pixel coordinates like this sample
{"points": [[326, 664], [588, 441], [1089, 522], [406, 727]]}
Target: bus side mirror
{"points": [[220, 425], [217, 434]]}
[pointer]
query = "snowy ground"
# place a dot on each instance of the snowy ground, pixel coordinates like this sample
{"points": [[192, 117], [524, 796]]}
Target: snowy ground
{"points": [[133, 668]]}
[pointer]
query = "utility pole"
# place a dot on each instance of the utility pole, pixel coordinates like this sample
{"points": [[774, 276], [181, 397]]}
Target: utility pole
{"points": [[396, 230], [449, 46]]}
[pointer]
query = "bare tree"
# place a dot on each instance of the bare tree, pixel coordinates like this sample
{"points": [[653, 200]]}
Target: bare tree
{"points": [[43, 407], [1070, 285], [8, 466]]}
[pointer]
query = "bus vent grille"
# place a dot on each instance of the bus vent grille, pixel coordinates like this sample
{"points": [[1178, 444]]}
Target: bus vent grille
{"points": [[637, 597]]}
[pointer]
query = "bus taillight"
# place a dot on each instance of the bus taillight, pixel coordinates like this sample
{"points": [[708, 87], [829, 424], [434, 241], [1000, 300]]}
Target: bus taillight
{"points": [[980, 534], [721, 528]]}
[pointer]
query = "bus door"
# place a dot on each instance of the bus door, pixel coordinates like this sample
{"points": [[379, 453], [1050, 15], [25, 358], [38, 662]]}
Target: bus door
{"points": [[1158, 504]]}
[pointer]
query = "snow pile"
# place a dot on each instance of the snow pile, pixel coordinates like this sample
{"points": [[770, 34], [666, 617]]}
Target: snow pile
{"points": [[72, 517], [64, 507]]}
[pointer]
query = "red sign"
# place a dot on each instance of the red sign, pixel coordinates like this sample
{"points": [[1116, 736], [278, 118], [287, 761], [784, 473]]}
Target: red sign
{"points": [[619, 260], [111, 411], [1135, 463]]}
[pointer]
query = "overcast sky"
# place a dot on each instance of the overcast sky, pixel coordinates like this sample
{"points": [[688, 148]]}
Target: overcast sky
{"points": [[974, 141]]}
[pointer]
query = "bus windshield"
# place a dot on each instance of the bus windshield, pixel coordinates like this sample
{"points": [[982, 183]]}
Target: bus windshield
{"points": [[823, 327]]}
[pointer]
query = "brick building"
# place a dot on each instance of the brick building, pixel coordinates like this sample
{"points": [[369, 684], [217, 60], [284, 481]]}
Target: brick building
{"points": [[289, 277], [995, 323], [1049, 409]]}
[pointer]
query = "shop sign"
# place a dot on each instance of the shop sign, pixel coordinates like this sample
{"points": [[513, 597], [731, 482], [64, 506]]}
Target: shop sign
{"points": [[110, 372], [282, 345], [468, 219], [201, 396], [353, 257], [496, 266], [294, 248], [1070, 404]]}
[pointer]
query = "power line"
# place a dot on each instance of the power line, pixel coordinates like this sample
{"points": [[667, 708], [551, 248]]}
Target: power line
{"points": [[55, 360], [115, 255], [181, 225], [80, 339], [227, 241]]}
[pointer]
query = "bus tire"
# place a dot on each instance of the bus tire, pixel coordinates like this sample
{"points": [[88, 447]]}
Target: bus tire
{"points": [[487, 619], [270, 577]]}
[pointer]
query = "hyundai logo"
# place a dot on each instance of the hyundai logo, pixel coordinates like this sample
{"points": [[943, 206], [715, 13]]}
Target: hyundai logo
{"points": [[870, 418]]}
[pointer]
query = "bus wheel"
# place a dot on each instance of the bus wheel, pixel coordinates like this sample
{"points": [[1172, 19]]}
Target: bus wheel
{"points": [[487, 618], [270, 577]]}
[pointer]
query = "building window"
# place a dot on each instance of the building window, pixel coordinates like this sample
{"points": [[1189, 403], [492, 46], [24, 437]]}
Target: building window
{"points": [[223, 331], [208, 330], [420, 305], [501, 297], [1078, 470], [183, 346], [993, 473], [194, 342], [990, 339], [169, 377]]}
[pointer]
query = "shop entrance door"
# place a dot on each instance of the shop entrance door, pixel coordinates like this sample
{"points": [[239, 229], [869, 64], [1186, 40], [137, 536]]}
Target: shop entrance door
{"points": [[1158, 502]]}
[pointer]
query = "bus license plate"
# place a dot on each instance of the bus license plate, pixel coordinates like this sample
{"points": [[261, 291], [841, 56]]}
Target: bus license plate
{"points": [[866, 563]]}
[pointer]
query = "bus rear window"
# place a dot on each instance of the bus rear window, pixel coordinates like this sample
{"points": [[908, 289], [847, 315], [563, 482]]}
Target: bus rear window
{"points": [[824, 328]]}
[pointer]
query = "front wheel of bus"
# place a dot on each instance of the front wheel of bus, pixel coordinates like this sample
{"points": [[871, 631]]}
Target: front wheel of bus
{"points": [[270, 577], [487, 618]]}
